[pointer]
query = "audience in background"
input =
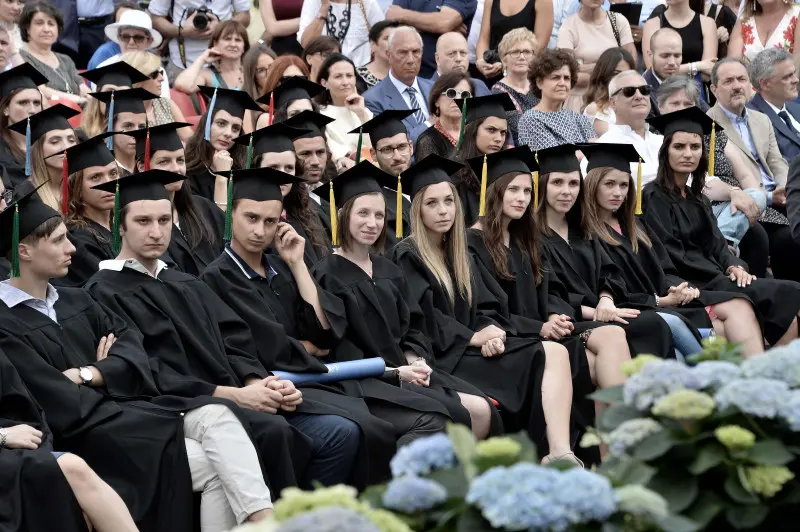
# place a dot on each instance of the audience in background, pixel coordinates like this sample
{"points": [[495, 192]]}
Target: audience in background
{"points": [[220, 66], [442, 137], [9, 19], [281, 20], [609, 64], [317, 52], [284, 67], [255, 66], [725, 19], [781, 16], [346, 21], [377, 69], [111, 47], [452, 54], [516, 50]]}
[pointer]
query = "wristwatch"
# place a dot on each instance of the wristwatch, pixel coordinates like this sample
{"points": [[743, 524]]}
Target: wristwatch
{"points": [[86, 375], [3, 436]]}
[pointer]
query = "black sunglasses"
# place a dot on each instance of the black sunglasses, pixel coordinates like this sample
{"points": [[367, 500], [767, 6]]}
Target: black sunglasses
{"points": [[628, 92], [453, 94], [155, 73]]}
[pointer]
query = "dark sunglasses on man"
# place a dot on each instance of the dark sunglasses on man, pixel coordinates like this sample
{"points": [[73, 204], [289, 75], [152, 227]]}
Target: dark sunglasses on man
{"points": [[628, 92]]}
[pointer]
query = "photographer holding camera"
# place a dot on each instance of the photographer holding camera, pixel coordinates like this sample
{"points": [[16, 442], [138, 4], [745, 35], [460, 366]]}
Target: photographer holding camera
{"points": [[188, 24]]}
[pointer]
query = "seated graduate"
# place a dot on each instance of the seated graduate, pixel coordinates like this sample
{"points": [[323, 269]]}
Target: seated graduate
{"points": [[291, 97], [586, 271], [293, 321], [127, 113], [272, 147], [643, 267], [201, 347], [679, 215], [114, 77], [5, 199], [471, 340], [211, 147], [197, 224], [382, 320], [47, 134], [29, 467], [391, 150], [91, 376], [19, 98]]}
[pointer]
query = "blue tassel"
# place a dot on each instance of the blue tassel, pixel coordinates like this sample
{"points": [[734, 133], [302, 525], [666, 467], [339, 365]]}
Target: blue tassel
{"points": [[110, 128], [28, 169], [209, 116]]}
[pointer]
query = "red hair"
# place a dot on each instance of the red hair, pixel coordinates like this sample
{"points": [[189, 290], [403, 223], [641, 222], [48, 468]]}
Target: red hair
{"points": [[279, 66]]}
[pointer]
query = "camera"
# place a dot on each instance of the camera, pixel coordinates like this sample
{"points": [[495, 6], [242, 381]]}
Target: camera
{"points": [[491, 57], [200, 20]]}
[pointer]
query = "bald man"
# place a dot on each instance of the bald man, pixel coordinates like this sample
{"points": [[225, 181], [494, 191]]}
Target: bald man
{"points": [[666, 58], [452, 54]]}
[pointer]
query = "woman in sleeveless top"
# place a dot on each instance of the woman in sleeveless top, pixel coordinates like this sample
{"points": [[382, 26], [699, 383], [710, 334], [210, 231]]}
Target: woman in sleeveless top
{"points": [[725, 19], [765, 24], [698, 32], [220, 66]]}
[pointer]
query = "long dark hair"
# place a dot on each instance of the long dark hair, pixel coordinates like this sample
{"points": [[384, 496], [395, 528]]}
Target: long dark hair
{"points": [[6, 135], [324, 98], [249, 66], [346, 239], [469, 149], [665, 178], [602, 73], [522, 232], [282, 112], [298, 205], [76, 209], [444, 82], [575, 219], [200, 153]]}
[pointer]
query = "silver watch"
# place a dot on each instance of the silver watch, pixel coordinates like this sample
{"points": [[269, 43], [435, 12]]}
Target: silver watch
{"points": [[86, 375], [3, 437]]}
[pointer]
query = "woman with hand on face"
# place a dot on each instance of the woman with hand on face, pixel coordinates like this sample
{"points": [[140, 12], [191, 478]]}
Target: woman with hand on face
{"points": [[470, 338], [442, 137], [19, 99], [342, 103], [382, 319], [682, 220], [221, 64]]}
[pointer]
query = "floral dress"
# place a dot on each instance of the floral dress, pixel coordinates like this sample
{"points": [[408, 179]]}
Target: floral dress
{"points": [[782, 37]]}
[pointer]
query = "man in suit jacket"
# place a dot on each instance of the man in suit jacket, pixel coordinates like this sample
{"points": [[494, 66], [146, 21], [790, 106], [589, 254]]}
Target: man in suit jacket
{"points": [[452, 54], [402, 88], [793, 199], [774, 75]]}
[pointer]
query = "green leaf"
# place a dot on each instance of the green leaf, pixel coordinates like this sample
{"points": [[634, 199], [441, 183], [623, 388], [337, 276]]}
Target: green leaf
{"points": [[613, 416], [528, 452], [374, 495], [653, 446], [770, 452], [678, 489], [705, 509], [737, 492], [710, 456], [472, 521], [678, 523], [463, 447], [748, 516], [627, 471], [608, 395], [454, 481]]}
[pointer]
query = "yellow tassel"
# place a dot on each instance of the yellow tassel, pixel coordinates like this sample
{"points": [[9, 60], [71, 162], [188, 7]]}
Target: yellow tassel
{"points": [[639, 188], [482, 206], [398, 225], [711, 149], [535, 191], [334, 222]]}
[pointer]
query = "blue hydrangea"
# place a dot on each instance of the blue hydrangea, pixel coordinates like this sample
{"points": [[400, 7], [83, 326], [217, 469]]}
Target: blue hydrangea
{"points": [[328, 519], [715, 373], [757, 397], [424, 455], [779, 363], [790, 411], [655, 380], [585, 496], [630, 433], [411, 494]]}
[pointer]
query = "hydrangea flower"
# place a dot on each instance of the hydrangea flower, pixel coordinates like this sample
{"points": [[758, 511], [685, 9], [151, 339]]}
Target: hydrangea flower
{"points": [[330, 519], [411, 494], [590, 439], [767, 480], [655, 380], [757, 397], [424, 455], [630, 433], [498, 448], [790, 411], [295, 501], [780, 363], [585, 496], [735, 438], [641, 502], [635, 365], [386, 521], [715, 373], [684, 404]]}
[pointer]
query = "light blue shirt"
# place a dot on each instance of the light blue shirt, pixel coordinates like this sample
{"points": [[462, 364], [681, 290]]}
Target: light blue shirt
{"points": [[13, 296], [401, 88], [95, 8], [743, 128]]}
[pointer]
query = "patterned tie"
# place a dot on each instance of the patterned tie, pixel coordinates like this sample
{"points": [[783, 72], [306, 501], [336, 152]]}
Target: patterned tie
{"points": [[418, 116], [785, 117]]}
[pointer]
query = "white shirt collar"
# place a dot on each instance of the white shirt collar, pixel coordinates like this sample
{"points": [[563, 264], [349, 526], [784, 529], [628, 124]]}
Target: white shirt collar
{"points": [[133, 264], [401, 87], [775, 108]]}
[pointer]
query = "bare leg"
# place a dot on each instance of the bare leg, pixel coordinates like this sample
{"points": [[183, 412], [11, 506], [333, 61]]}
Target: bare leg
{"points": [[790, 334], [612, 350], [102, 505], [479, 412], [557, 397], [741, 326]]}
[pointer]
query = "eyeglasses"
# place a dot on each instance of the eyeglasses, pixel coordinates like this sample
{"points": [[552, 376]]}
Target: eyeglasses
{"points": [[402, 149], [156, 73], [628, 92], [286, 78], [453, 94], [517, 53], [137, 38], [7, 195]]}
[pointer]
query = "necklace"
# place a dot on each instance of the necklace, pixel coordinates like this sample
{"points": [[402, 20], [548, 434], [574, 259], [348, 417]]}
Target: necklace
{"points": [[444, 132]]}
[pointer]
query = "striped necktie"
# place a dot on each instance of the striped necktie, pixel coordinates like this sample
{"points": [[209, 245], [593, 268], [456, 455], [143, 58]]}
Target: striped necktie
{"points": [[418, 116]]}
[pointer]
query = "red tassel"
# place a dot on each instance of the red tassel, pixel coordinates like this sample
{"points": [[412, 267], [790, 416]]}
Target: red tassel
{"points": [[64, 186], [271, 107], [147, 151]]}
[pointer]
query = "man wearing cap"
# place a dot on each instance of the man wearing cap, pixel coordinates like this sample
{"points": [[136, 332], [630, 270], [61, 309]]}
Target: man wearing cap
{"points": [[125, 112]]}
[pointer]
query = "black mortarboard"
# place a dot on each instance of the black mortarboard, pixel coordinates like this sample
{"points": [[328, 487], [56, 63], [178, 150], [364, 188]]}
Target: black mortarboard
{"points": [[387, 124], [120, 74], [24, 76], [558, 159], [491, 167], [313, 122], [294, 88], [234, 101], [431, 170], [690, 120], [276, 138], [260, 184], [602, 155], [35, 126], [21, 217], [91, 152], [163, 137], [483, 106], [124, 101]]}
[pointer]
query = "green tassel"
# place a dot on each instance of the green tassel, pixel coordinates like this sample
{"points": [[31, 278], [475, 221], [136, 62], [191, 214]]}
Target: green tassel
{"points": [[15, 244], [228, 209], [358, 148], [463, 124], [249, 153], [116, 242]]}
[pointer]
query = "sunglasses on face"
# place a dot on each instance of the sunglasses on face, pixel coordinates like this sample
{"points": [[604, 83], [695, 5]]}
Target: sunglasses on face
{"points": [[156, 73], [127, 37], [453, 94], [628, 92]]}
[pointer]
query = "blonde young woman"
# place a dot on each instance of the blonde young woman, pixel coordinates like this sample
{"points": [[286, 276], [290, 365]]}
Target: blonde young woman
{"points": [[470, 336]]}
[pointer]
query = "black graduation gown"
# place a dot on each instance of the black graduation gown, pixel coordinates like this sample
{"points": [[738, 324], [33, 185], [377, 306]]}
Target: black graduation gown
{"points": [[36, 496], [92, 245], [279, 318], [194, 260], [382, 321], [311, 254], [391, 218], [323, 210], [202, 184], [585, 270], [196, 343], [470, 202], [689, 232], [14, 171], [5, 268], [136, 446]]}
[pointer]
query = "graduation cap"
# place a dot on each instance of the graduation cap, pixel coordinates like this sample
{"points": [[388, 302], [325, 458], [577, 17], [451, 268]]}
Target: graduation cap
{"points": [[431, 170], [234, 101], [617, 156], [276, 138], [120, 74], [124, 101], [363, 178], [491, 167], [150, 185], [387, 124], [689, 120], [294, 88], [555, 159], [21, 217], [24, 76], [479, 107], [91, 152], [313, 122], [152, 139], [35, 126]]}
